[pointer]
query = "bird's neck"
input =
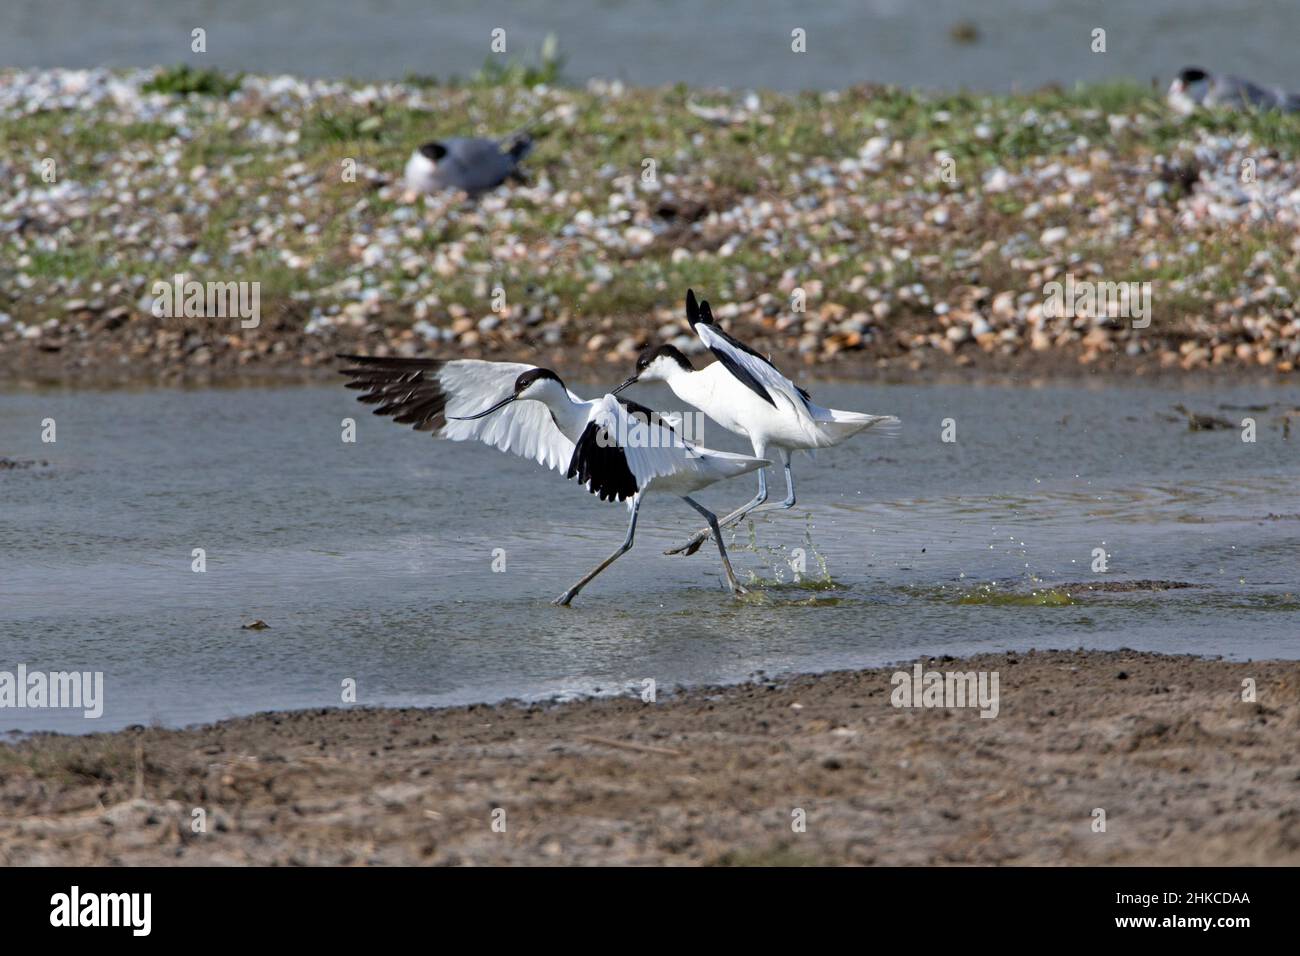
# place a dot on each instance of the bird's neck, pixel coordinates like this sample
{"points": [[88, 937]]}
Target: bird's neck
{"points": [[570, 417], [685, 385]]}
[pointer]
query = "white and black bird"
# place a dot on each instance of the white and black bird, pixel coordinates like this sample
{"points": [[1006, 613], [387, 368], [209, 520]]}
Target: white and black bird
{"points": [[617, 449], [1195, 87], [745, 393], [472, 164]]}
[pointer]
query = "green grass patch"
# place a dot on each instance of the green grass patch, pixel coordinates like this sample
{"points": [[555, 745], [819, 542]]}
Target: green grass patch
{"points": [[1042, 597], [185, 80]]}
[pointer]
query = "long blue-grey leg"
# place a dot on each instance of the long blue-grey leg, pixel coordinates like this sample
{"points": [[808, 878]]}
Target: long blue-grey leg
{"points": [[712, 519], [789, 492], [625, 547], [693, 544]]}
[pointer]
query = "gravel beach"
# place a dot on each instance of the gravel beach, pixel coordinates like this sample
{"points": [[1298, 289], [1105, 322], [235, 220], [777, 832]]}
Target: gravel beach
{"points": [[1186, 772], [868, 228]]}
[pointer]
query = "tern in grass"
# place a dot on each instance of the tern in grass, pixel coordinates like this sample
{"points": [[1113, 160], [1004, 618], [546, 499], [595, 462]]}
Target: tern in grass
{"points": [[1195, 87], [617, 449], [744, 393], [472, 164]]}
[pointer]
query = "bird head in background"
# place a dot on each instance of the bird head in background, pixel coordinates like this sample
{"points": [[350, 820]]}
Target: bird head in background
{"points": [[422, 167], [1189, 89], [658, 364]]}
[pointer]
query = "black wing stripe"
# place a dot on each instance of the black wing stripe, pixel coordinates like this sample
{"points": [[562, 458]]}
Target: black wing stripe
{"points": [[706, 316], [601, 465], [647, 415], [741, 374], [407, 389]]}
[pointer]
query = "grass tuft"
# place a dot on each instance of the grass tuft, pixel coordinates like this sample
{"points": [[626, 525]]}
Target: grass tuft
{"points": [[184, 80]]}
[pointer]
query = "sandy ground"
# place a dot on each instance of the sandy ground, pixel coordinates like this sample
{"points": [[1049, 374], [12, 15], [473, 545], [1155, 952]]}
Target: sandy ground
{"points": [[1186, 772]]}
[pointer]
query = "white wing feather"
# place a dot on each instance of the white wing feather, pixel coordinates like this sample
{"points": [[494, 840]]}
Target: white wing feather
{"points": [[777, 385], [525, 429], [652, 450]]}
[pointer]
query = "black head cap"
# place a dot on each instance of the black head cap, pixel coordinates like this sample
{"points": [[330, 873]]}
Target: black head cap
{"points": [[433, 151], [534, 375], [648, 355], [1193, 74]]}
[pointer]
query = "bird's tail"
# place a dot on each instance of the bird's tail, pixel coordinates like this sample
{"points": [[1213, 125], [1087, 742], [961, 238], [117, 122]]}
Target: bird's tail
{"points": [[519, 145], [521, 142], [838, 425], [733, 465]]}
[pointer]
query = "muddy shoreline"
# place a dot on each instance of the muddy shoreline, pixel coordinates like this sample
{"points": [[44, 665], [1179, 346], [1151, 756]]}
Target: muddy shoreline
{"points": [[1186, 772], [34, 370]]}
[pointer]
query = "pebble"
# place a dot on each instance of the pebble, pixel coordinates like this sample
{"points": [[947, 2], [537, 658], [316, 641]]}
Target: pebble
{"points": [[903, 266]]}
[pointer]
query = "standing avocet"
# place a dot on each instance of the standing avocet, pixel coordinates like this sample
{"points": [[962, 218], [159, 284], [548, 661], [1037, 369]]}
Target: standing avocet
{"points": [[619, 450], [744, 393]]}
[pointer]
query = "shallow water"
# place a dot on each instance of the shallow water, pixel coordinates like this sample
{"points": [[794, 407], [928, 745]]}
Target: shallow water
{"points": [[734, 43], [373, 560]]}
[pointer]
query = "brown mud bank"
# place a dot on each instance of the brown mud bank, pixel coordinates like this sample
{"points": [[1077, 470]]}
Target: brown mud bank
{"points": [[1185, 771], [104, 364]]}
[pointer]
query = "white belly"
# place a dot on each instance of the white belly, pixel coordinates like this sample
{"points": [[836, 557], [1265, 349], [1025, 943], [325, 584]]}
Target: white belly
{"points": [[738, 409], [782, 426]]}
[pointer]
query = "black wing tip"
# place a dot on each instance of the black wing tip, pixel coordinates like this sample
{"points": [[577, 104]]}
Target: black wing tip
{"points": [[697, 310], [692, 308], [407, 395], [375, 359], [601, 465], [393, 362]]}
